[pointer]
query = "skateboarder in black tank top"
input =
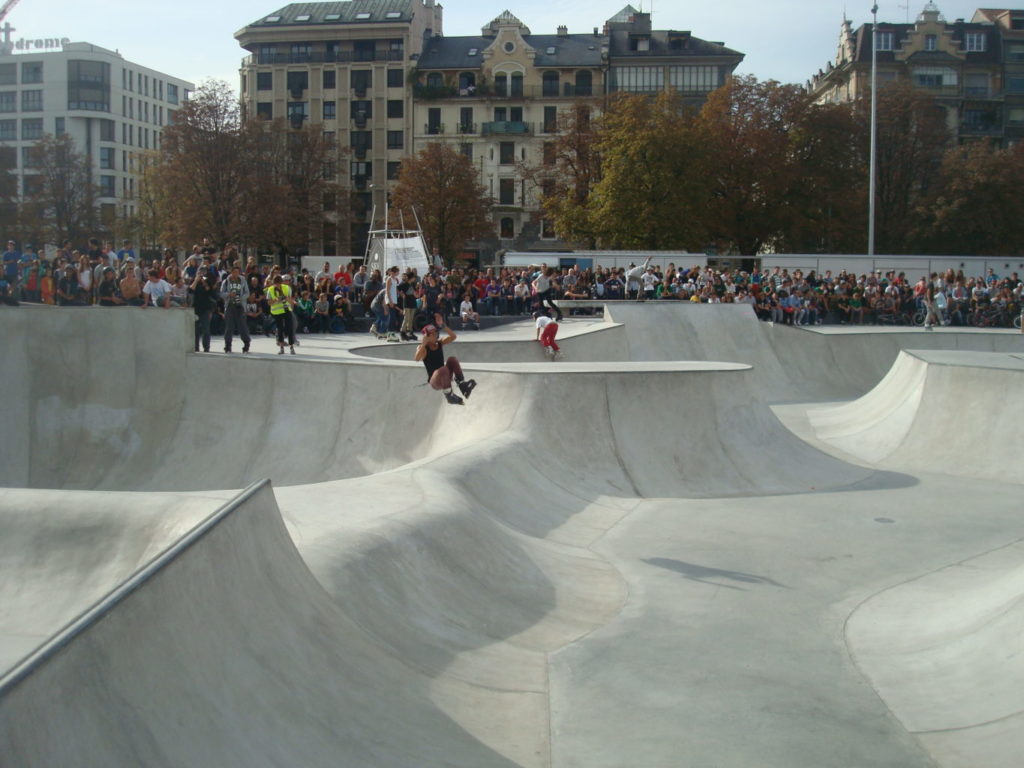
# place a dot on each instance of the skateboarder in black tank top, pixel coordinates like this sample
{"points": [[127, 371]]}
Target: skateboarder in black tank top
{"points": [[441, 372]]}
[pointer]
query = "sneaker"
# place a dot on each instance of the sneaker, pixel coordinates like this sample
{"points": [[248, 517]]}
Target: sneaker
{"points": [[466, 387], [549, 352], [245, 350], [452, 398], [292, 349], [280, 350], [228, 351]]}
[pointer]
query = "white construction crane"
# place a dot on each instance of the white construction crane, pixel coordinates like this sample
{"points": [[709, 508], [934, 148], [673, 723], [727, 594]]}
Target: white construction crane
{"points": [[6, 8]]}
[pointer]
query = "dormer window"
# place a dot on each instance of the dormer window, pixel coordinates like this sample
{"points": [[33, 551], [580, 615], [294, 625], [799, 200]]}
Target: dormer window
{"points": [[640, 44], [974, 42], [885, 41], [931, 42]]}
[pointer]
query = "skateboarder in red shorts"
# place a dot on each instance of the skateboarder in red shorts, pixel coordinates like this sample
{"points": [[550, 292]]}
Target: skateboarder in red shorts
{"points": [[547, 329]]}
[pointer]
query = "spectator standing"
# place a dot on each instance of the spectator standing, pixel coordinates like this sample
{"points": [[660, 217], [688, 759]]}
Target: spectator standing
{"points": [[281, 302], [12, 261], [408, 289], [204, 302], [126, 252], [235, 293]]}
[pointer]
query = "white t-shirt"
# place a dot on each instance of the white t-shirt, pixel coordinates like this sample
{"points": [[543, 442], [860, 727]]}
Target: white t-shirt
{"points": [[156, 290], [466, 308], [543, 321]]}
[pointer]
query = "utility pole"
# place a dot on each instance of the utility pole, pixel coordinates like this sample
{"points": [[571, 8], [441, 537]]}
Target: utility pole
{"points": [[874, 129]]}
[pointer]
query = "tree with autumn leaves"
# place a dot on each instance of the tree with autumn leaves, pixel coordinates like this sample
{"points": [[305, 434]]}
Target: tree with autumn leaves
{"points": [[236, 180], [762, 168], [439, 187]]}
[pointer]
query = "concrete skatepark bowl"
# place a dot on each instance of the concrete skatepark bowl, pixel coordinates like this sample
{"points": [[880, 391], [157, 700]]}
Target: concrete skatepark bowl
{"points": [[701, 540]]}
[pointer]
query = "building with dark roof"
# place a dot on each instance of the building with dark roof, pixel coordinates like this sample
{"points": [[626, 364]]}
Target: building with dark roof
{"points": [[974, 70], [498, 98], [343, 65]]}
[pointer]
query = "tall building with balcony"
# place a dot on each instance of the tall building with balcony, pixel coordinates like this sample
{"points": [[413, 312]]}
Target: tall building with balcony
{"points": [[974, 70], [498, 98], [113, 109], [342, 65]]}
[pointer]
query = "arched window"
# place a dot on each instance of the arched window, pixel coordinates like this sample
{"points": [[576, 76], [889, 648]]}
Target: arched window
{"points": [[584, 83], [467, 83], [517, 84], [550, 80], [508, 228], [501, 84]]}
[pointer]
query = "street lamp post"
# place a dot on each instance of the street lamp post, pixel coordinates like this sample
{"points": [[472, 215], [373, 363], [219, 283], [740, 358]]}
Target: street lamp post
{"points": [[874, 129]]}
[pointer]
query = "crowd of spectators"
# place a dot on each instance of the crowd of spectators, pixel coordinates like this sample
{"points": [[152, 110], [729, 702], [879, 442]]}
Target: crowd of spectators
{"points": [[327, 298]]}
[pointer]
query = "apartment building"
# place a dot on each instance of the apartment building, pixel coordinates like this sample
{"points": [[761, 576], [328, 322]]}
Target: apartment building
{"points": [[498, 98], [115, 111], [974, 69], [342, 65]]}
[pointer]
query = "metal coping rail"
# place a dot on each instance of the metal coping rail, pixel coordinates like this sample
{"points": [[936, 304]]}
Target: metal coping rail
{"points": [[91, 615]]}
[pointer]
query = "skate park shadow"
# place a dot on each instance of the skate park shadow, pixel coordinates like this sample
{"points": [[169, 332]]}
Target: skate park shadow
{"points": [[711, 576]]}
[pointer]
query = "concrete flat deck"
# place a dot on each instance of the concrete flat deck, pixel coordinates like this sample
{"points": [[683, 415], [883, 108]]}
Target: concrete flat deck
{"points": [[623, 559]]}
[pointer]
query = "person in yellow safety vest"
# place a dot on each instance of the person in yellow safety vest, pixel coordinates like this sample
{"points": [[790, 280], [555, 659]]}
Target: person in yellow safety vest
{"points": [[281, 302]]}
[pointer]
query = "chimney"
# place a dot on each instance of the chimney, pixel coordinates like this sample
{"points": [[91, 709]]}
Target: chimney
{"points": [[563, 31], [595, 32]]}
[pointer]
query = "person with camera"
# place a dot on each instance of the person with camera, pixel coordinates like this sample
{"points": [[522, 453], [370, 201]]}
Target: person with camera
{"points": [[235, 293], [204, 301]]}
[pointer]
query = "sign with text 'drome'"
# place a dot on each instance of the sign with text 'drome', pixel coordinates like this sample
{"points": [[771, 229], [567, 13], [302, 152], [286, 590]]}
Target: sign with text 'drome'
{"points": [[26, 44]]}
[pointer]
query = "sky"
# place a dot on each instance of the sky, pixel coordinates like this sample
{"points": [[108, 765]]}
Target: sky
{"points": [[784, 40]]}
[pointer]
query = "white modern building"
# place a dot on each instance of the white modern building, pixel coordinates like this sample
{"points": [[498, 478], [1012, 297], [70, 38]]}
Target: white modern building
{"points": [[113, 109]]}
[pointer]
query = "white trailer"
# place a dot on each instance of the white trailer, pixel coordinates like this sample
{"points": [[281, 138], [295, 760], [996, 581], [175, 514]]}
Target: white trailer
{"points": [[610, 259]]}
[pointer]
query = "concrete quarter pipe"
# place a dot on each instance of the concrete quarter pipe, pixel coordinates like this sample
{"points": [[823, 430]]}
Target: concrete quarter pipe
{"points": [[625, 560]]}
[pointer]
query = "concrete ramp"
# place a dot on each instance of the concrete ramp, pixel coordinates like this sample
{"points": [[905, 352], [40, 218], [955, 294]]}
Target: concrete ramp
{"points": [[935, 411], [225, 650], [944, 652]]}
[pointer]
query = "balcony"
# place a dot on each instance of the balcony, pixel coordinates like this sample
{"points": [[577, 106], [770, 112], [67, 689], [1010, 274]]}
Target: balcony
{"points": [[322, 57], [981, 129], [359, 182], [434, 129], [490, 91], [507, 128], [465, 128]]}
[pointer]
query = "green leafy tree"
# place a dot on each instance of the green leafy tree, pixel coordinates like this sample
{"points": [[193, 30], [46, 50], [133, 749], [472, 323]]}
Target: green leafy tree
{"points": [[293, 170], [653, 183], [828, 204], [912, 138], [59, 196], [975, 206], [569, 171], [753, 173], [204, 169], [440, 185]]}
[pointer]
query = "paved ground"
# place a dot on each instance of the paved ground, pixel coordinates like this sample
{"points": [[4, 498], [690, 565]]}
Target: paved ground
{"points": [[699, 541]]}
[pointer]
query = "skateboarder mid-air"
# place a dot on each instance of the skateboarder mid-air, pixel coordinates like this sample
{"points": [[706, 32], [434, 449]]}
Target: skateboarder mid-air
{"points": [[441, 372]]}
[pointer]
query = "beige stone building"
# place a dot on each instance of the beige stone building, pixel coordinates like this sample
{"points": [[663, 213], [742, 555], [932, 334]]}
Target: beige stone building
{"points": [[974, 69], [383, 81], [343, 65], [498, 98]]}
